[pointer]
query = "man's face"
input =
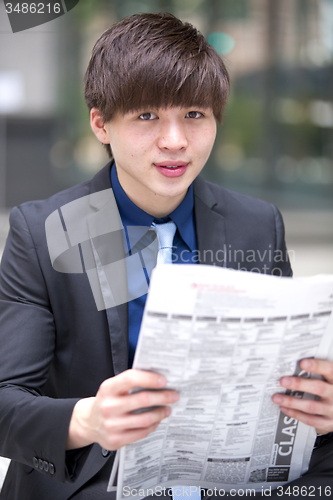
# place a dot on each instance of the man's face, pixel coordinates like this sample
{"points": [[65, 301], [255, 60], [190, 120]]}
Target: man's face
{"points": [[159, 152]]}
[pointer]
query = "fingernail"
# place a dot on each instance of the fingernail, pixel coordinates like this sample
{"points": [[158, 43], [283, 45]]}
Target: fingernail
{"points": [[162, 381], [167, 411], [306, 364], [277, 398], [175, 397], [285, 381]]}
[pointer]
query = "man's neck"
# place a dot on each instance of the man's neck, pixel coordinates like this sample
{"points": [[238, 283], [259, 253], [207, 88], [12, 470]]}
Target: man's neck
{"points": [[158, 207]]}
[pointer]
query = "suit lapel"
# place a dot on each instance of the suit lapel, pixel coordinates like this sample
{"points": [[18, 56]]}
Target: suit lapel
{"points": [[210, 226], [110, 267]]}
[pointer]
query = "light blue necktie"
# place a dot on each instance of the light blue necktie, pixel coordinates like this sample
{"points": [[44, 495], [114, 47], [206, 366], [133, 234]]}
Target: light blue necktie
{"points": [[166, 233]]}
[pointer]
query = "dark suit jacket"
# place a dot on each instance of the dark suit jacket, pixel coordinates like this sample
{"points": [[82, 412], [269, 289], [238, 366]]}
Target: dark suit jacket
{"points": [[56, 347]]}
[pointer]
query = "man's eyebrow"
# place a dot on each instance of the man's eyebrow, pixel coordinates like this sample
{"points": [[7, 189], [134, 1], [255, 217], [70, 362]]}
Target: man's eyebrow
{"points": [[147, 109]]}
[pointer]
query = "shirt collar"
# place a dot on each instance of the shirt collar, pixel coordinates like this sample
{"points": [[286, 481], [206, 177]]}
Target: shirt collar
{"points": [[132, 215]]}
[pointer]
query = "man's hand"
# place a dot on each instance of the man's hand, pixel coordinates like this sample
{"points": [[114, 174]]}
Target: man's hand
{"points": [[107, 418], [319, 413]]}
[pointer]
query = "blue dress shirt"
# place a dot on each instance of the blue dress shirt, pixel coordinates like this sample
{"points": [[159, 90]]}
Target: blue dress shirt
{"points": [[184, 245]]}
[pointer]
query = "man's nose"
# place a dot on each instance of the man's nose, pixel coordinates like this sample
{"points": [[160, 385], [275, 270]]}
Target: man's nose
{"points": [[173, 137]]}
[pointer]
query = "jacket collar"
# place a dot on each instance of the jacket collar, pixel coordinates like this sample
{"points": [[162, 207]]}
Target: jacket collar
{"points": [[102, 180], [105, 208], [210, 225]]}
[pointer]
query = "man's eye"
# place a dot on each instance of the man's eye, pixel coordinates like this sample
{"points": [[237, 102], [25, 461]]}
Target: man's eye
{"points": [[147, 116], [193, 114]]}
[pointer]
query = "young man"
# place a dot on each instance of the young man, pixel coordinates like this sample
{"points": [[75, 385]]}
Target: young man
{"points": [[155, 90]]}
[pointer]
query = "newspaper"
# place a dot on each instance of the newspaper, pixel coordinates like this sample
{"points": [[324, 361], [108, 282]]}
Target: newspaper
{"points": [[223, 338]]}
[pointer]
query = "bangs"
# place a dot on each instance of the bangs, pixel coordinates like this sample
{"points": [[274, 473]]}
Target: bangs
{"points": [[163, 82]]}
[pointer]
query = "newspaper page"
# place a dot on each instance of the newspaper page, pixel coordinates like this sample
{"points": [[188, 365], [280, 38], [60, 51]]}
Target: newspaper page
{"points": [[223, 338]]}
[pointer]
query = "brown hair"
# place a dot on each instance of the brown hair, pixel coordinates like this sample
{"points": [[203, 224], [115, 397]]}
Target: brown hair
{"points": [[154, 60]]}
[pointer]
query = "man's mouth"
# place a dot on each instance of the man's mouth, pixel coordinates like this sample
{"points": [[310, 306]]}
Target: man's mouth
{"points": [[172, 164], [176, 168]]}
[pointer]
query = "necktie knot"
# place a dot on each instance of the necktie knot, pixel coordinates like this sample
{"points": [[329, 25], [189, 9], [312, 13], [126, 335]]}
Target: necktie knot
{"points": [[165, 233]]}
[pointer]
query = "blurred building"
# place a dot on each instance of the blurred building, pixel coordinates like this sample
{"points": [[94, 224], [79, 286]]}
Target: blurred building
{"points": [[28, 103]]}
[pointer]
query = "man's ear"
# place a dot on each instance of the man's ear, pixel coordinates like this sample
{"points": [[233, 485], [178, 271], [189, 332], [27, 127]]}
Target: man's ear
{"points": [[98, 126]]}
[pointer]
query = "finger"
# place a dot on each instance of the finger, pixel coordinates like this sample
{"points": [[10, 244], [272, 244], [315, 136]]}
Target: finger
{"points": [[121, 431], [308, 406], [125, 404], [146, 399], [312, 386], [130, 379], [321, 424], [320, 366], [137, 420], [127, 437]]}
